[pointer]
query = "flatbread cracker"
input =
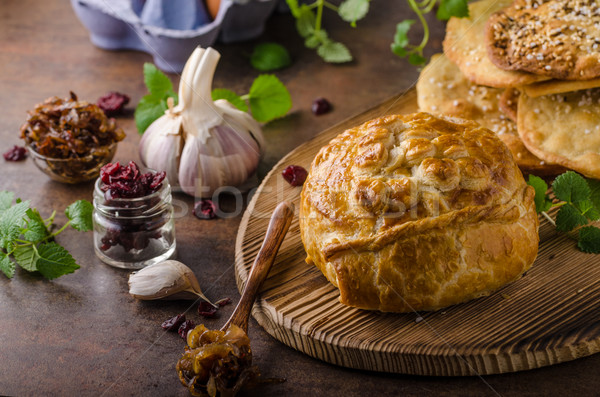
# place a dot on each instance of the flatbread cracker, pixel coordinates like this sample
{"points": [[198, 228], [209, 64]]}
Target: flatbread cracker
{"points": [[559, 86], [465, 46], [555, 38], [442, 89], [563, 129], [508, 103]]}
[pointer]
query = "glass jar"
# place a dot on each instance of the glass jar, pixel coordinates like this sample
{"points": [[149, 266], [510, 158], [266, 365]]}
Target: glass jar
{"points": [[132, 233]]}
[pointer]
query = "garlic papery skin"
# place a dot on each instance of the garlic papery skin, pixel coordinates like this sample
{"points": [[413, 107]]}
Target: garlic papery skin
{"points": [[165, 280], [161, 144], [212, 144]]}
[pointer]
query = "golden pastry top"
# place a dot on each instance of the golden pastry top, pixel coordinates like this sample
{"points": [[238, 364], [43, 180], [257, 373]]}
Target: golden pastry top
{"points": [[409, 172]]}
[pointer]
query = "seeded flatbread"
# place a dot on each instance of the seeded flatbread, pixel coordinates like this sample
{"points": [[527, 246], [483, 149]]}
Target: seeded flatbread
{"points": [[442, 89], [508, 103], [559, 86], [554, 38], [563, 129], [465, 46]]}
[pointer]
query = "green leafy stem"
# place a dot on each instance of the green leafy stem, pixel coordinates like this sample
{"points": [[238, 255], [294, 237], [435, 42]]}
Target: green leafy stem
{"points": [[447, 9], [309, 24], [27, 239], [578, 200]]}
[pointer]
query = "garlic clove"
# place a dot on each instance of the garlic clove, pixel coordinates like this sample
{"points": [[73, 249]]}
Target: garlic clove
{"points": [[165, 280]]}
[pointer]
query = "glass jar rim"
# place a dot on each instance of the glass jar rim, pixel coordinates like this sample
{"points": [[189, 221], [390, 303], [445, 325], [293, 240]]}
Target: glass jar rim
{"points": [[138, 206]]}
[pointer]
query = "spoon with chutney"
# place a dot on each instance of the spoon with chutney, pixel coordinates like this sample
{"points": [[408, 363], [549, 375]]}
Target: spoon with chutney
{"points": [[220, 361]]}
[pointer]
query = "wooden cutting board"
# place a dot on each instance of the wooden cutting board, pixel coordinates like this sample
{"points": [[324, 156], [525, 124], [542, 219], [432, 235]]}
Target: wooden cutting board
{"points": [[550, 315]]}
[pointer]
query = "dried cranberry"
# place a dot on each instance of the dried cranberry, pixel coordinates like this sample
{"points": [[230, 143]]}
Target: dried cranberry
{"points": [[320, 106], [174, 323], [128, 181], [113, 103], [185, 327], [223, 302], [205, 209], [207, 310], [295, 175], [17, 153]]}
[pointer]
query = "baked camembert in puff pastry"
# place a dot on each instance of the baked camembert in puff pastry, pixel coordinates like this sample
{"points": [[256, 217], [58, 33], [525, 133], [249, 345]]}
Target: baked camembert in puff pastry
{"points": [[416, 212]]}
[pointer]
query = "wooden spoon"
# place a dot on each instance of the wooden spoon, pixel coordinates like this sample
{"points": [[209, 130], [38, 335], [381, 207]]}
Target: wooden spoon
{"points": [[276, 231]]}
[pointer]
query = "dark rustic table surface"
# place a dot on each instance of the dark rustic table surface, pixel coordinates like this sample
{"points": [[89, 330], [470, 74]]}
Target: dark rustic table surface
{"points": [[83, 334]]}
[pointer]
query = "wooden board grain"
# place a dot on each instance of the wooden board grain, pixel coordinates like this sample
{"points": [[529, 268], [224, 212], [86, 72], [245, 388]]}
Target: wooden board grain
{"points": [[550, 315]]}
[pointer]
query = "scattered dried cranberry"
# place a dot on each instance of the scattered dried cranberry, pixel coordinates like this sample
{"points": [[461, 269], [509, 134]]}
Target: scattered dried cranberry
{"points": [[223, 302], [185, 327], [207, 310], [295, 175], [205, 209], [174, 323], [128, 181], [320, 106], [17, 153], [113, 103]]}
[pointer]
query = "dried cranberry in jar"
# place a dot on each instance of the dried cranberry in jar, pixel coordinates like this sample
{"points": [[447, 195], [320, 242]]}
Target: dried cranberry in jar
{"points": [[113, 103], [173, 323], [205, 209], [128, 181], [320, 106], [295, 175], [17, 153], [185, 327]]}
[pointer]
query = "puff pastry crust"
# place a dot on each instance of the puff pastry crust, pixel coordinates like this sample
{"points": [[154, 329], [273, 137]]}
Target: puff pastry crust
{"points": [[416, 212]]}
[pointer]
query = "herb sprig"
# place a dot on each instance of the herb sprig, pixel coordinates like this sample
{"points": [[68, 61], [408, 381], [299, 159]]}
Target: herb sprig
{"points": [[268, 98], [27, 239], [309, 19], [447, 9], [579, 202]]}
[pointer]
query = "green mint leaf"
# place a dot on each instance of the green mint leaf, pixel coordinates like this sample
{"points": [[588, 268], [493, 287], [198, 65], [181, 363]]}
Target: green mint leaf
{"points": [[270, 56], [36, 228], [27, 257], [334, 52], [6, 265], [568, 218], [12, 221], [316, 39], [157, 82], [589, 240], [269, 99], [148, 109], [232, 97], [452, 8], [6, 199], [353, 10], [55, 261], [399, 50], [401, 36], [542, 202], [594, 185], [587, 208], [571, 187], [305, 21], [80, 215], [416, 59]]}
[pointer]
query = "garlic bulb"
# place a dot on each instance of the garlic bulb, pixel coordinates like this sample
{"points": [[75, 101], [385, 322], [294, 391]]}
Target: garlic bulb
{"points": [[165, 280], [202, 144]]}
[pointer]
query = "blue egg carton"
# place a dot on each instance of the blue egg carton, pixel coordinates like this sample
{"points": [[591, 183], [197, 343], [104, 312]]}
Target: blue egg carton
{"points": [[170, 29]]}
